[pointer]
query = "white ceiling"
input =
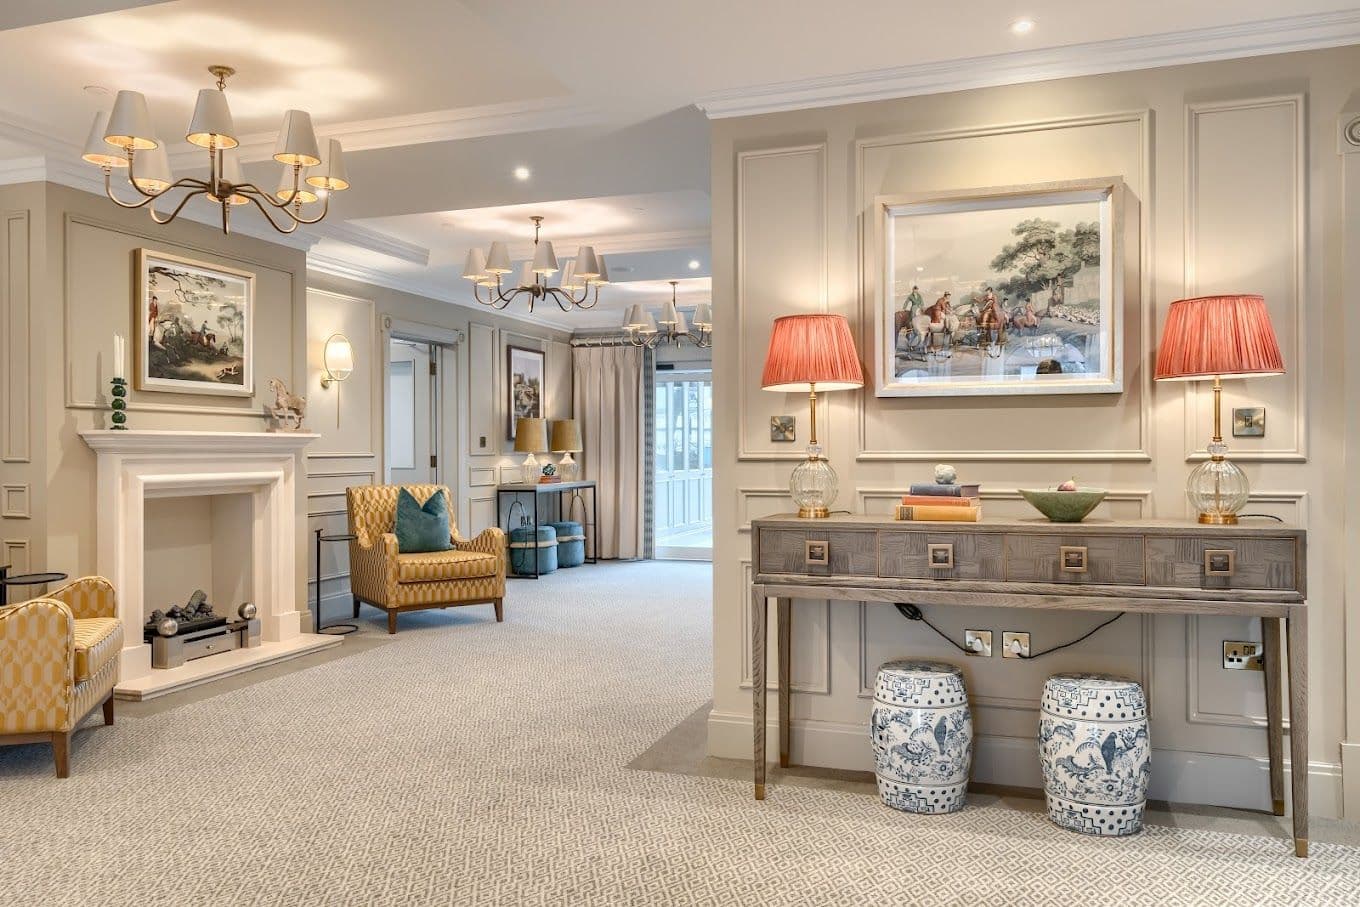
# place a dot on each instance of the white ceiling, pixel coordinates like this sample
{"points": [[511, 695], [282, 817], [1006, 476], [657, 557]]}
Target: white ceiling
{"points": [[438, 101]]}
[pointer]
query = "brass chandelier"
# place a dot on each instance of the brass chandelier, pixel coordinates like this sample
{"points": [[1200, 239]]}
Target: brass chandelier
{"points": [[583, 275], [124, 139], [641, 329]]}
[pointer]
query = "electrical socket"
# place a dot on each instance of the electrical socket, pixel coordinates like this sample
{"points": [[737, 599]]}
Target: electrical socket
{"points": [[1009, 639], [978, 642], [1239, 655]]}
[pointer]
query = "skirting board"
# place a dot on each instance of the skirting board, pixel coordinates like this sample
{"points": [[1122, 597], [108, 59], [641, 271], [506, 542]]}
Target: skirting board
{"points": [[1211, 779]]}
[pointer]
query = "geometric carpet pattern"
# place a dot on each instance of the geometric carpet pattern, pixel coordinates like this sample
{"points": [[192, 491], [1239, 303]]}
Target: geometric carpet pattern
{"points": [[469, 762]]}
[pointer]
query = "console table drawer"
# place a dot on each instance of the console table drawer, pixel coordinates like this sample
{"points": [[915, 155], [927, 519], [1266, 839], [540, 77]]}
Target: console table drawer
{"points": [[1044, 558], [941, 555], [818, 552], [1223, 563]]}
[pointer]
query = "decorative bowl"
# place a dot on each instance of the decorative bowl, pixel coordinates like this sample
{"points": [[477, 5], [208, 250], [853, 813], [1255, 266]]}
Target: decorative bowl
{"points": [[1064, 506]]}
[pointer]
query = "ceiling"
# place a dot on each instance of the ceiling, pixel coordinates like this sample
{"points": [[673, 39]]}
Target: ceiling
{"points": [[439, 102]]}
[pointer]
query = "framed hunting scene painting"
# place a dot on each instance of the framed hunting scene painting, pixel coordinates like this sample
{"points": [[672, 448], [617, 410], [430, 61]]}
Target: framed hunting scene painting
{"points": [[194, 325]]}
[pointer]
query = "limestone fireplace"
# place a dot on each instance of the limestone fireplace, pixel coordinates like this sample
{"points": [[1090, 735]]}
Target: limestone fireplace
{"points": [[252, 477]]}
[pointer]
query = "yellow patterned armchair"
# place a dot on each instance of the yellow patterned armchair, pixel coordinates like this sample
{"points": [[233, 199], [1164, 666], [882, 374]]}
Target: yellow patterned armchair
{"points": [[471, 572], [58, 662]]}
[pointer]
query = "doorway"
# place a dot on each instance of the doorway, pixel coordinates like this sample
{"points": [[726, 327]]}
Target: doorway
{"points": [[683, 468], [420, 418]]}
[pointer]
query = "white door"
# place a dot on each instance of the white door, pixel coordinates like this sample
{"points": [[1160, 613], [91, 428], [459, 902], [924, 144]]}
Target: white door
{"points": [[683, 468], [410, 412]]}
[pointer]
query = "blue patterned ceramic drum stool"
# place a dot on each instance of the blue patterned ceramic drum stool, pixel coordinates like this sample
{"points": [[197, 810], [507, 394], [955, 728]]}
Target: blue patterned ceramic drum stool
{"points": [[525, 545], [571, 543], [922, 734], [1094, 752]]}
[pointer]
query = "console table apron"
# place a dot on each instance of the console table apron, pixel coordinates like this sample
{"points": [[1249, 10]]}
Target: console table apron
{"points": [[1142, 567]]}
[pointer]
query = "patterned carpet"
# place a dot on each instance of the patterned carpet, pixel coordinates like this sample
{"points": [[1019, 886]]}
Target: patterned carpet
{"points": [[473, 763]]}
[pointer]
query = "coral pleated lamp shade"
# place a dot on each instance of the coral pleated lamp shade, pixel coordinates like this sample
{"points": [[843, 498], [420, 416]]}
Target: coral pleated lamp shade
{"points": [[1218, 337], [808, 350]]}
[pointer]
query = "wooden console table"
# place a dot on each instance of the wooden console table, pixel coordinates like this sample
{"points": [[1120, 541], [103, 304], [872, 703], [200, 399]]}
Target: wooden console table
{"points": [[1255, 569]]}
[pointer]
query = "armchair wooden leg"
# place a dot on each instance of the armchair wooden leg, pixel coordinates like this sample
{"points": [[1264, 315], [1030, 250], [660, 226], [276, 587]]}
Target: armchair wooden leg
{"points": [[356, 607], [108, 709], [500, 610], [61, 753], [392, 622]]}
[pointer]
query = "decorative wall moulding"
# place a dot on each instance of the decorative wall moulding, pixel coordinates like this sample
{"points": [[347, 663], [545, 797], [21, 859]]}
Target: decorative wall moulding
{"points": [[1272, 36], [14, 502], [820, 684]]}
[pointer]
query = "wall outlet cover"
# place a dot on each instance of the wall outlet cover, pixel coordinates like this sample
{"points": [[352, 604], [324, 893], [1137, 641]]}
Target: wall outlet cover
{"points": [[1243, 655], [978, 642], [1009, 639]]}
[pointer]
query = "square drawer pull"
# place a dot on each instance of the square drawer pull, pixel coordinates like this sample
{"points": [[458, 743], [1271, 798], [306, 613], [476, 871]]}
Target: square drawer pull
{"points": [[1219, 561], [940, 555], [817, 553], [1072, 558]]}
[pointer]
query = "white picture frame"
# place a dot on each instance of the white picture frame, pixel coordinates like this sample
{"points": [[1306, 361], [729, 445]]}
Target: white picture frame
{"points": [[1010, 323]]}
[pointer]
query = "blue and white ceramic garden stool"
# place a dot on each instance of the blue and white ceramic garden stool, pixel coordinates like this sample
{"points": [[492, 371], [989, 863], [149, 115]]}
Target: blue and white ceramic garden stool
{"points": [[922, 734], [1094, 752]]}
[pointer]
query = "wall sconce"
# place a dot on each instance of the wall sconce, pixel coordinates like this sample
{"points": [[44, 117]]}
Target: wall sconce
{"points": [[337, 362]]}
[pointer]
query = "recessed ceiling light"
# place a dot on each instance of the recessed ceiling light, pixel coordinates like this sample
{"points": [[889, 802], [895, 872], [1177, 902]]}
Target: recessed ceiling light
{"points": [[522, 173], [694, 264], [1022, 26]]}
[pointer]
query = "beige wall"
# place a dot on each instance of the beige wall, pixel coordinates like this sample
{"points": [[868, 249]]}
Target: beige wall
{"points": [[1237, 169], [352, 453]]}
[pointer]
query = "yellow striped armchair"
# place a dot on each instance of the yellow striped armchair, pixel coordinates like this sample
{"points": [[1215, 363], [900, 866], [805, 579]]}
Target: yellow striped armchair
{"points": [[58, 662], [472, 572]]}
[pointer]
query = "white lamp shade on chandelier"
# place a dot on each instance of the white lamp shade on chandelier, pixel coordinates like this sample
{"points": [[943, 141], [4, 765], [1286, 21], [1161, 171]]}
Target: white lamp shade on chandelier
{"points": [[130, 123], [703, 316], [584, 275], [306, 170], [211, 125], [297, 141]]}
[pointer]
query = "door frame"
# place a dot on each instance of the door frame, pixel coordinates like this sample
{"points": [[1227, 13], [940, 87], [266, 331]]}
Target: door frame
{"points": [[679, 375]]}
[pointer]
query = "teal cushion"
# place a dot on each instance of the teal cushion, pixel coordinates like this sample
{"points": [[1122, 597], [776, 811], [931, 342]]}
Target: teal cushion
{"points": [[422, 528]]}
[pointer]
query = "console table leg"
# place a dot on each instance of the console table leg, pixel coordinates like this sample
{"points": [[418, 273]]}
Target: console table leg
{"points": [[759, 618], [1270, 640], [1296, 629], [785, 606]]}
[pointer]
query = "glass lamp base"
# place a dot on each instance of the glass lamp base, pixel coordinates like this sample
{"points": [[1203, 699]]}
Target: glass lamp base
{"points": [[528, 470], [1217, 489], [813, 485]]}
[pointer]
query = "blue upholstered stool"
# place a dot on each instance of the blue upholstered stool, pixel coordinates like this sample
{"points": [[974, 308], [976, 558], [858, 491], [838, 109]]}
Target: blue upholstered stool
{"points": [[922, 732], [1094, 752], [571, 543], [525, 546]]}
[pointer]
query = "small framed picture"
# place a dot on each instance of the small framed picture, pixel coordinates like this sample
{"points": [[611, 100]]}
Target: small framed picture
{"points": [[1072, 558], [817, 553], [940, 556], [782, 428], [1219, 561], [1249, 422]]}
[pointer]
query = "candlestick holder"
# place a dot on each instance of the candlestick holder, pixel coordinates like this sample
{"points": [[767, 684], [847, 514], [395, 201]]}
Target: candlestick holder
{"points": [[118, 404]]}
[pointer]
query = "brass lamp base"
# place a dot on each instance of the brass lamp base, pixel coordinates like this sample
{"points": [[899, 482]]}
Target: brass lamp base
{"points": [[1218, 519], [813, 513]]}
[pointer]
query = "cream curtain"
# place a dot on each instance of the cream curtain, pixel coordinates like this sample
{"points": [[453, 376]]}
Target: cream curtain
{"points": [[607, 402]]}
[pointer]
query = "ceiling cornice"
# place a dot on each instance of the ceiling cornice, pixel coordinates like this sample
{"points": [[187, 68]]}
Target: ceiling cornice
{"points": [[1250, 39], [372, 240]]}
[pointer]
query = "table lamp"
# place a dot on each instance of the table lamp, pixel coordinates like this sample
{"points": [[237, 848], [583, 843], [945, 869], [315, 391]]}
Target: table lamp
{"points": [[1218, 337], [566, 440], [812, 353], [531, 437]]}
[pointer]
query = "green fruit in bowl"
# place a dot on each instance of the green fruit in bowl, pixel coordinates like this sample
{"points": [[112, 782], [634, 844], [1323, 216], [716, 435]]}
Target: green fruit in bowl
{"points": [[1064, 506]]}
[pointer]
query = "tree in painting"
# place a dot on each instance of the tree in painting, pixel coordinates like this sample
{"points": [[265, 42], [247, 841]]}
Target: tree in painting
{"points": [[1044, 258]]}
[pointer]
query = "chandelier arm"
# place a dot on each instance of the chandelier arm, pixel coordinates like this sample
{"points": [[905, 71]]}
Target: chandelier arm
{"points": [[175, 213], [558, 295], [254, 200], [147, 197]]}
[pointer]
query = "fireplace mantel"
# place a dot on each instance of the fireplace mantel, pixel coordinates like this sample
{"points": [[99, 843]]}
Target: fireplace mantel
{"points": [[138, 465]]}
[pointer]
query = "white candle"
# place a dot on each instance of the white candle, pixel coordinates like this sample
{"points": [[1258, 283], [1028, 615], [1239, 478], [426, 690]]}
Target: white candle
{"points": [[118, 356]]}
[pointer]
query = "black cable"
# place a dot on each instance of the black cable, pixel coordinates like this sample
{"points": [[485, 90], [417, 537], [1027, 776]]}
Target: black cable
{"points": [[1264, 516], [912, 612]]}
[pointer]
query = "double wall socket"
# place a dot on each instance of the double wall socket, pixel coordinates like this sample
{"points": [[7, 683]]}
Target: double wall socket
{"points": [[1239, 655]]}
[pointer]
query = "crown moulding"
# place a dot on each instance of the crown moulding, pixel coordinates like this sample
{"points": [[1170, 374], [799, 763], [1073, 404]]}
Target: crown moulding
{"points": [[1250, 39]]}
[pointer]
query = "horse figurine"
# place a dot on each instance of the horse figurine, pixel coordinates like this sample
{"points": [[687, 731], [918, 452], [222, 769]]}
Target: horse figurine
{"points": [[288, 408]]}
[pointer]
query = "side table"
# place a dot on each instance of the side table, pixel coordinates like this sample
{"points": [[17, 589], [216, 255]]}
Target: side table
{"points": [[341, 629], [24, 579]]}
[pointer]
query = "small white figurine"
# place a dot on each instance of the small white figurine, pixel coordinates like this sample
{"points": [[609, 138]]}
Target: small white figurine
{"points": [[288, 408], [945, 475]]}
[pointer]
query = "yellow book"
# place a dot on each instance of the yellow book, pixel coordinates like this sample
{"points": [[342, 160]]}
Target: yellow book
{"points": [[938, 512]]}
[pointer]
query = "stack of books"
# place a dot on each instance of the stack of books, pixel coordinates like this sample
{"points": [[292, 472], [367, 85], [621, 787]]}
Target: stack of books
{"points": [[944, 503]]}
